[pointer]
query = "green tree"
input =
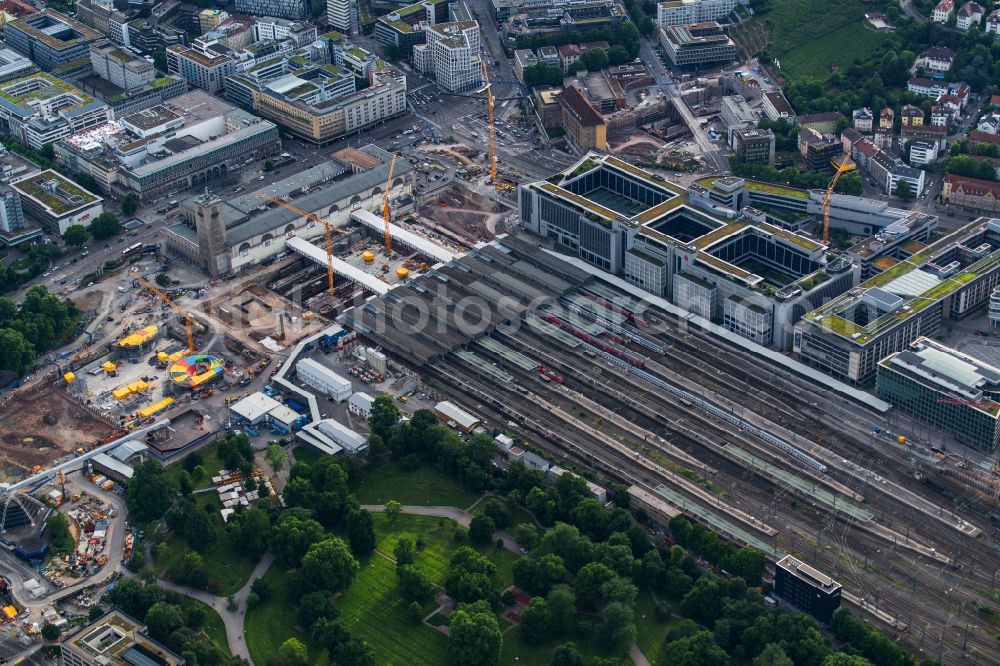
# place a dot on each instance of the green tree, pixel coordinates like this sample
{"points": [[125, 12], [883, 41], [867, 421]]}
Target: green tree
{"points": [[562, 608], [130, 204], [481, 530], [470, 576], [414, 585], [696, 650], [192, 571], [361, 532], [526, 535], [393, 509], [535, 621], [149, 492], [384, 417], [313, 606], [566, 654], [405, 551], [595, 60], [588, 583], [773, 655], [75, 235], [329, 565], [104, 226], [160, 59], [163, 619], [268, 165], [391, 52], [475, 638], [275, 457], [200, 531], [291, 653], [57, 527], [292, 537], [50, 632], [163, 280], [618, 629], [16, 353], [618, 55], [836, 659], [904, 190], [250, 532]]}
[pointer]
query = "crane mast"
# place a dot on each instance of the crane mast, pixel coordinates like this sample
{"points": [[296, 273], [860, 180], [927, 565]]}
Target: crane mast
{"points": [[385, 206], [163, 297], [841, 169], [489, 106]]}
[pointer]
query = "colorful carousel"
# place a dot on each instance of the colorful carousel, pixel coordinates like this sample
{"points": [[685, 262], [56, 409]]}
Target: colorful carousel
{"points": [[195, 371]]}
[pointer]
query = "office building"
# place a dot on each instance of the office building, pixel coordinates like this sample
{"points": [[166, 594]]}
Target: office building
{"points": [[342, 15], [57, 203], [945, 388], [40, 109], [252, 234], [125, 70], [753, 146], [776, 107], [451, 55], [114, 638], [889, 171], [405, 26], [50, 39], [686, 12], [806, 588], [895, 242], [694, 46], [820, 152], [585, 126], [736, 113], [206, 69], [947, 280], [13, 65], [285, 9], [686, 246], [300, 33], [331, 384], [923, 152], [321, 105]]}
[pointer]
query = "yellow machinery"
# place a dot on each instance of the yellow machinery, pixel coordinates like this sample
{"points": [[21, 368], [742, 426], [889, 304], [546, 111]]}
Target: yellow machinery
{"points": [[187, 318], [156, 408], [489, 106], [69, 377], [829, 193], [385, 206], [314, 218]]}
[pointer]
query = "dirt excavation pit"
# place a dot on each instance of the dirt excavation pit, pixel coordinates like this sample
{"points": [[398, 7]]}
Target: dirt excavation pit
{"points": [[464, 213], [42, 427]]}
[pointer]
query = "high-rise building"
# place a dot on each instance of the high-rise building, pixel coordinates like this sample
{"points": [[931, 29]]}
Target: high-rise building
{"points": [[451, 55], [805, 587], [342, 15], [286, 9], [211, 227], [11, 215], [127, 71]]}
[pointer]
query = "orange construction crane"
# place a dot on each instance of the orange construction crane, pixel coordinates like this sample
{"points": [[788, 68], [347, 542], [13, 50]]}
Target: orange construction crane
{"points": [[329, 233], [489, 106], [385, 206], [163, 297], [841, 169]]}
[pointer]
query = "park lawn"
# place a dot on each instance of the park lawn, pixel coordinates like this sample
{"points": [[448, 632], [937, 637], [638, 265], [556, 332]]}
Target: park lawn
{"points": [[210, 461], [516, 652], [650, 631], [214, 628], [272, 622], [839, 47], [374, 609], [425, 486], [228, 568]]}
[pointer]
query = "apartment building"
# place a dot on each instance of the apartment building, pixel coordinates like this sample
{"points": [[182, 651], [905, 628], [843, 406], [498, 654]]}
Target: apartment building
{"points": [[206, 69], [284, 9], [585, 126]]}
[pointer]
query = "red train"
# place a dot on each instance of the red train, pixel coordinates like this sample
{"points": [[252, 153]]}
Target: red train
{"points": [[611, 349]]}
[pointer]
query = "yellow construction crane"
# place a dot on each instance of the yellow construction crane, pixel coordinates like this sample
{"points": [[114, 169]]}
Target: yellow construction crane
{"points": [[163, 297], [385, 206], [489, 106], [314, 218], [841, 169]]}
